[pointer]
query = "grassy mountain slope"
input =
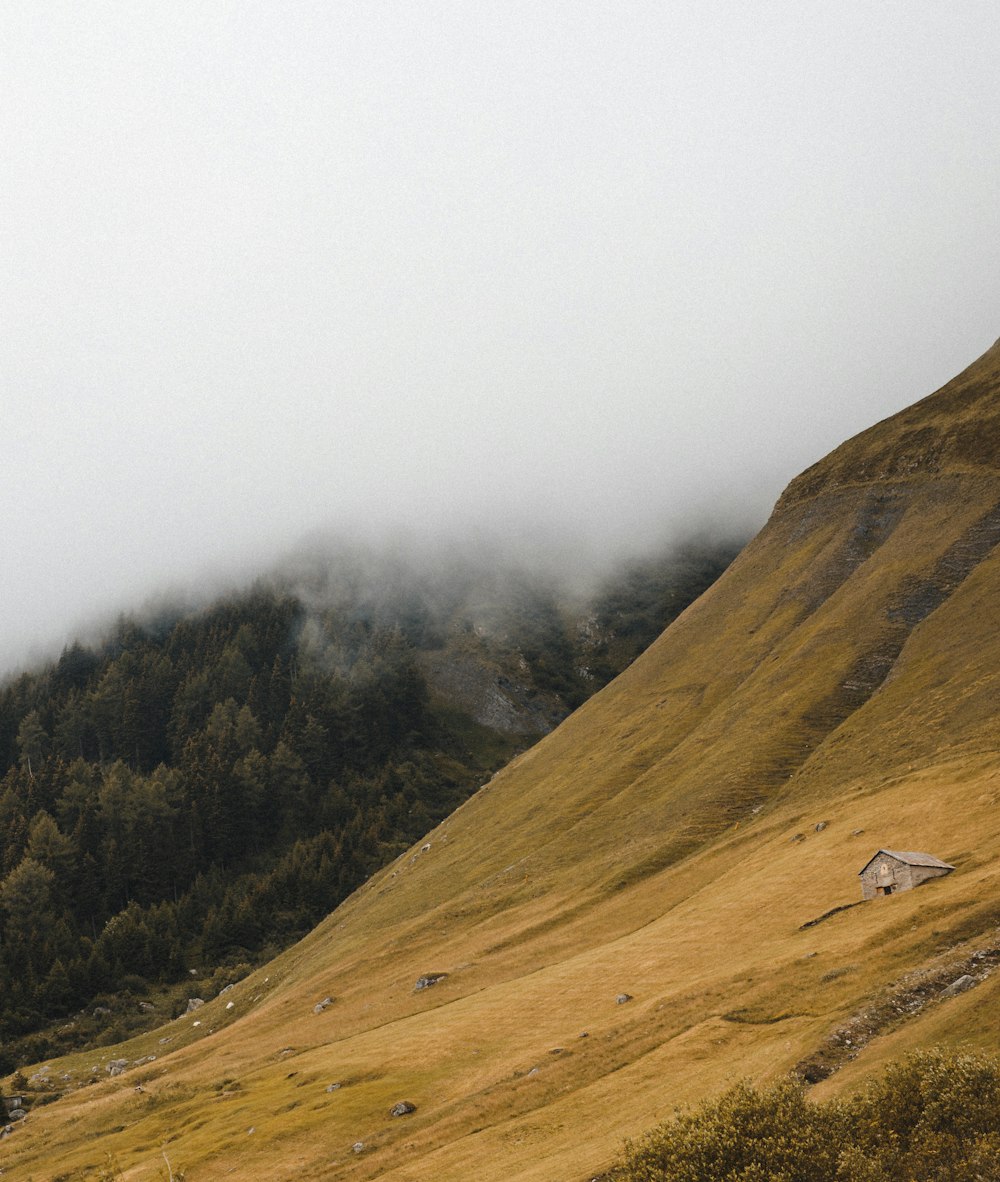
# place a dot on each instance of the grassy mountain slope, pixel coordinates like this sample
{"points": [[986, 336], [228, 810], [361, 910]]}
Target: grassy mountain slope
{"points": [[661, 843]]}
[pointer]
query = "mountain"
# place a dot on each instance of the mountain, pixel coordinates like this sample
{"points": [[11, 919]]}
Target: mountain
{"points": [[657, 898], [203, 786]]}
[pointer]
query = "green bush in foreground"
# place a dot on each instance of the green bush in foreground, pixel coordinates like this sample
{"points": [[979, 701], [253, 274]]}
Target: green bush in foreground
{"points": [[930, 1118]]}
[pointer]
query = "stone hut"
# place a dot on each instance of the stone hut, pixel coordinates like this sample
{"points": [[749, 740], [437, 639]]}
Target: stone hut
{"points": [[889, 871]]}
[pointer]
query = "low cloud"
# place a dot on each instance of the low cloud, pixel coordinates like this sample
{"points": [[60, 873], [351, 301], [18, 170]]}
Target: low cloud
{"points": [[562, 277]]}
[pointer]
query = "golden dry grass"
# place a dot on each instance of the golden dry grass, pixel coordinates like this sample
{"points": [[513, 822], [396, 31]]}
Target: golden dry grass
{"points": [[646, 847]]}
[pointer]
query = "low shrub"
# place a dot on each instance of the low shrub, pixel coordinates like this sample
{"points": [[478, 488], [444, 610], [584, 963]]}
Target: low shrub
{"points": [[930, 1118]]}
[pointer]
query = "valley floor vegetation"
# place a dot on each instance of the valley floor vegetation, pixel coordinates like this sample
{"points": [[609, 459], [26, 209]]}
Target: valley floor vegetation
{"points": [[933, 1117], [198, 791]]}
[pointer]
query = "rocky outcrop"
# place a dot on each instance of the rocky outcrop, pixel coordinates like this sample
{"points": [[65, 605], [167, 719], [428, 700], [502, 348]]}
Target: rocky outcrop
{"points": [[896, 1004], [428, 980], [491, 696]]}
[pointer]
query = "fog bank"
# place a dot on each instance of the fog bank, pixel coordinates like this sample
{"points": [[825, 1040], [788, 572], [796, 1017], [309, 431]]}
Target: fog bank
{"points": [[572, 275]]}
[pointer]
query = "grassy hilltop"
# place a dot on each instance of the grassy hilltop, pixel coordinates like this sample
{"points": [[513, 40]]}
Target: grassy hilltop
{"points": [[833, 693]]}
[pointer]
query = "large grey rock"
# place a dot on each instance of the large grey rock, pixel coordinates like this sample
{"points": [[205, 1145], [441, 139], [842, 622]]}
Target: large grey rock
{"points": [[194, 1003], [117, 1066], [320, 1006], [403, 1108], [622, 998], [959, 985]]}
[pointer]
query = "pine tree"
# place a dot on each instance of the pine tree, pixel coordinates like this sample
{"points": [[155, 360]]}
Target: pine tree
{"points": [[32, 742]]}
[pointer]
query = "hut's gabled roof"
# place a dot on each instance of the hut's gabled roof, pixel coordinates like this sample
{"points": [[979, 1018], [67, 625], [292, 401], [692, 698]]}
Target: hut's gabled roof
{"points": [[911, 858]]}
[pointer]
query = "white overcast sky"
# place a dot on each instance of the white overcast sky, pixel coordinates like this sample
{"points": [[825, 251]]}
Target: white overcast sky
{"points": [[267, 267]]}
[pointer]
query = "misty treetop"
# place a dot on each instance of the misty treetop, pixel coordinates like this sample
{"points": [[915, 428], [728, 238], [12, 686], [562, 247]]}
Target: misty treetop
{"points": [[206, 787]]}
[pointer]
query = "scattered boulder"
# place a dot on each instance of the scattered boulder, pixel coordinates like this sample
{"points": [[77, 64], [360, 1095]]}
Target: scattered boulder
{"points": [[856, 832], [147, 1007], [194, 1003], [959, 985], [334, 1087], [320, 1006], [427, 980], [622, 998], [584, 1034], [6, 1131], [16, 1114], [797, 837], [117, 1066], [821, 826], [403, 1108], [226, 988], [358, 1147], [230, 1005], [101, 1011]]}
